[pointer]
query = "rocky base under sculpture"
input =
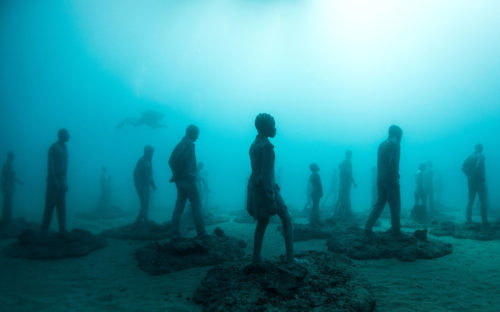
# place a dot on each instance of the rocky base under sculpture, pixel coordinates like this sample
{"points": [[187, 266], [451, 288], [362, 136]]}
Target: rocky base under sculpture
{"points": [[106, 214], [321, 282], [183, 253], [16, 227], [476, 231], [246, 218], [141, 231], [382, 245], [420, 218], [77, 243], [303, 232], [208, 219]]}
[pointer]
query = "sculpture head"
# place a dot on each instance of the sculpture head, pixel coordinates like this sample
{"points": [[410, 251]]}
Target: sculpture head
{"points": [[395, 132], [192, 132], [10, 157], [314, 167], [479, 148], [148, 152], [63, 135], [348, 154], [265, 125]]}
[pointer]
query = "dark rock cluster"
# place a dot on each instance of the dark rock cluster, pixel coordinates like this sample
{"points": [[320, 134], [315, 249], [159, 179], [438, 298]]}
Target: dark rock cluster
{"points": [[183, 253], [140, 231], [16, 227], [107, 214], [319, 282], [476, 231], [246, 218], [208, 219], [33, 245], [303, 232], [379, 245]]}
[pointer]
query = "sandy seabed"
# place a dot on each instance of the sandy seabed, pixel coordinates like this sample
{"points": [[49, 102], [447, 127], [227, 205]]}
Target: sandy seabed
{"points": [[109, 279]]}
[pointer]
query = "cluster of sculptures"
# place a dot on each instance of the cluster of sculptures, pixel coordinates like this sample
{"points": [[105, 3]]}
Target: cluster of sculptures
{"points": [[263, 194]]}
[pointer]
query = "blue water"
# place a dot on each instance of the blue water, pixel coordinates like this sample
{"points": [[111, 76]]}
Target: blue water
{"points": [[335, 75]]}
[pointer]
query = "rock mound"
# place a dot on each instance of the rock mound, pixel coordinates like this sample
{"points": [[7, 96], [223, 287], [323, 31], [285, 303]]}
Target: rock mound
{"points": [[16, 227], [77, 243], [107, 214], [246, 218], [208, 219], [382, 245], [303, 232], [141, 231], [321, 282], [475, 231], [183, 253]]}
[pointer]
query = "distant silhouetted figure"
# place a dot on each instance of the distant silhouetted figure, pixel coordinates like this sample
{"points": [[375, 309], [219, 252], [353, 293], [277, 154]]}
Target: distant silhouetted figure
{"points": [[420, 195], [185, 175], [9, 181], [439, 190], [309, 200], [105, 197], [374, 185], [334, 189], [346, 180], [316, 194], [429, 185], [143, 180], [263, 197], [388, 180], [474, 169], [57, 183], [149, 118]]}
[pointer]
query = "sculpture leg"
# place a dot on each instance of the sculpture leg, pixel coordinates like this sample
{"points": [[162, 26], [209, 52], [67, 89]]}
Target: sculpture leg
{"points": [[179, 208], [258, 238], [377, 209], [286, 220]]}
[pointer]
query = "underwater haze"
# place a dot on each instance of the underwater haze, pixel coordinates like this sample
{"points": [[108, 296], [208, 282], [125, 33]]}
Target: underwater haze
{"points": [[334, 74]]}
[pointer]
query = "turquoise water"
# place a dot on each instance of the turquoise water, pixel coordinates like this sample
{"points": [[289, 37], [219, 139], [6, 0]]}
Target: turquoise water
{"points": [[334, 74]]}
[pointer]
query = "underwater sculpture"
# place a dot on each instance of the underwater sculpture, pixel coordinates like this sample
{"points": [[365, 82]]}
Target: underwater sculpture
{"points": [[9, 181], [143, 180], [184, 173], [143, 228], [346, 181], [388, 181], [263, 196], [57, 182], [474, 168], [104, 203], [316, 194], [420, 195], [419, 211], [429, 186], [149, 118], [10, 227], [104, 210], [374, 190]]}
